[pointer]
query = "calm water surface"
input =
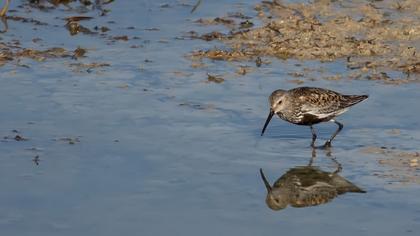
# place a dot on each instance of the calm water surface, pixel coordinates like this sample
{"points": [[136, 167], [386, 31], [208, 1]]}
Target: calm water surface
{"points": [[159, 151]]}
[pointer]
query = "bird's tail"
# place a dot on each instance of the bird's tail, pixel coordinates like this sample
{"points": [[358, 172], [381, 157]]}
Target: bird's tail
{"points": [[350, 100], [344, 186], [350, 188]]}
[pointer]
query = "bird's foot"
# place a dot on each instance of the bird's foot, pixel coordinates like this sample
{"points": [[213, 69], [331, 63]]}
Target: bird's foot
{"points": [[322, 147], [313, 144], [327, 144]]}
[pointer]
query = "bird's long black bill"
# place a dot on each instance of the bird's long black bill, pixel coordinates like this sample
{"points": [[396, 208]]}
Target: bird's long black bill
{"points": [[267, 184], [270, 115]]}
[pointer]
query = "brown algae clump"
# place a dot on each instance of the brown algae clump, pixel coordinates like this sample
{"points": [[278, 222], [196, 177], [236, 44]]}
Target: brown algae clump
{"points": [[371, 35]]}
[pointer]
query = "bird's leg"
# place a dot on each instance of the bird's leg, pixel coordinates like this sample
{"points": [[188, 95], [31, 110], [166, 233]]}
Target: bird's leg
{"points": [[313, 136], [340, 127], [311, 161], [328, 152], [339, 167]]}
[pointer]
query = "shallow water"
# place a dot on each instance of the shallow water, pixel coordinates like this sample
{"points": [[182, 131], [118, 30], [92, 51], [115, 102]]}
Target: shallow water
{"points": [[159, 150]]}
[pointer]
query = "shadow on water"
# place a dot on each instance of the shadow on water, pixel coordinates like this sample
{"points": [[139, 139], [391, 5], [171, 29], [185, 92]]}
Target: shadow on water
{"points": [[305, 186]]}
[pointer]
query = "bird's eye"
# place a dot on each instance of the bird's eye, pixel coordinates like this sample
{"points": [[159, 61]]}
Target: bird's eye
{"points": [[279, 102]]}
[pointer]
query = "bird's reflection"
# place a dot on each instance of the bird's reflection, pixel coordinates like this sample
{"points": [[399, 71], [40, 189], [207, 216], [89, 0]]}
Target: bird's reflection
{"points": [[305, 186]]}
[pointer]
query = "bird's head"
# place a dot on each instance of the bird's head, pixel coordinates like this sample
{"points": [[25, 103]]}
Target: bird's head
{"points": [[276, 101], [275, 200]]}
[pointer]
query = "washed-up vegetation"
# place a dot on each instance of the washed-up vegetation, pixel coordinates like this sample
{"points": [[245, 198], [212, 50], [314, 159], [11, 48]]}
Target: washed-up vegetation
{"points": [[374, 37]]}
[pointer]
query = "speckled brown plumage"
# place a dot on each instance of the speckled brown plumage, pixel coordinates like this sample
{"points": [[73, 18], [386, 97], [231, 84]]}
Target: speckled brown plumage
{"points": [[309, 106], [306, 186]]}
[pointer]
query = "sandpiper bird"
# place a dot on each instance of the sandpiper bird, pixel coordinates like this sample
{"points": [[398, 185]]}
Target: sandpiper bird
{"points": [[306, 186], [310, 106]]}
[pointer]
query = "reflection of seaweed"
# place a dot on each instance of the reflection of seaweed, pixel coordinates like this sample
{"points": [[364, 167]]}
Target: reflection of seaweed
{"points": [[305, 186]]}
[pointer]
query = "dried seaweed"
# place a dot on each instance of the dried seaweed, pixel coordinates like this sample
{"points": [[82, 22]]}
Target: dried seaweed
{"points": [[370, 35]]}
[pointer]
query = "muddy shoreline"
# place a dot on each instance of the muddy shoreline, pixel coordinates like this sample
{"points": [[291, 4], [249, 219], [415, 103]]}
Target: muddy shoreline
{"points": [[376, 39]]}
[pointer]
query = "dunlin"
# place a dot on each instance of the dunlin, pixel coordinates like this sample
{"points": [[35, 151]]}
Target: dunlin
{"points": [[306, 186], [309, 106]]}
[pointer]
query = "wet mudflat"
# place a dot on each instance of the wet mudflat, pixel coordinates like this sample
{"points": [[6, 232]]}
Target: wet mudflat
{"points": [[123, 123]]}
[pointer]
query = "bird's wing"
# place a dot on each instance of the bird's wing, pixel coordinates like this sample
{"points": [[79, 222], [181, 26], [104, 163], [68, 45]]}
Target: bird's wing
{"points": [[343, 185], [303, 176], [318, 101], [287, 179], [317, 194], [350, 100]]}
